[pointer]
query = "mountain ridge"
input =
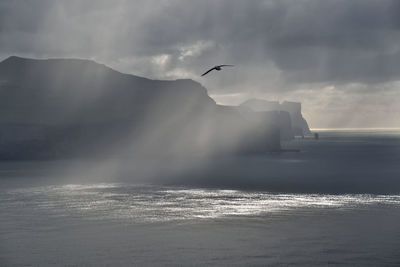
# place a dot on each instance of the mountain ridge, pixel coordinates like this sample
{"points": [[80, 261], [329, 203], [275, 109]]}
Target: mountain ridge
{"points": [[86, 108]]}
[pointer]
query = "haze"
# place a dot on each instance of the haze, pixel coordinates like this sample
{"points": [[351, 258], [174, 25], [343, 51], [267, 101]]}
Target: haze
{"points": [[339, 58]]}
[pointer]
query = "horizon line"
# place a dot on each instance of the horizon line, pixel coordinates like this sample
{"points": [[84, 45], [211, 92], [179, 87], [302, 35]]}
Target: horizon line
{"points": [[356, 129]]}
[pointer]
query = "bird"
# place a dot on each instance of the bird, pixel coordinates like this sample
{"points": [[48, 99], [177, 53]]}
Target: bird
{"points": [[218, 67]]}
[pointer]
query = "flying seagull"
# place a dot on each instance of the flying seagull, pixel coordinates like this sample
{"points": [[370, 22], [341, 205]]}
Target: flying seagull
{"points": [[218, 67]]}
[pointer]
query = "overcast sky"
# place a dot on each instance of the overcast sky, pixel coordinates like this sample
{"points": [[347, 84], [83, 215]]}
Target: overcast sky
{"points": [[341, 59]]}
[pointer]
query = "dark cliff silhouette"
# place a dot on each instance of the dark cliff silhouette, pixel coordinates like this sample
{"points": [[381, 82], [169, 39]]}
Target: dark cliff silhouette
{"points": [[286, 114], [72, 107]]}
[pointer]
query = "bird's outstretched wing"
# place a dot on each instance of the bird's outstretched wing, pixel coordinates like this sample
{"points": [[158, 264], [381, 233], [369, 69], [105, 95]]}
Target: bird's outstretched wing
{"points": [[226, 65], [207, 71]]}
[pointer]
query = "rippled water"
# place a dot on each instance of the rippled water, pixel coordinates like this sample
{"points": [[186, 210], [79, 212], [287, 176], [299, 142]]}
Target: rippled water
{"points": [[157, 204], [126, 224]]}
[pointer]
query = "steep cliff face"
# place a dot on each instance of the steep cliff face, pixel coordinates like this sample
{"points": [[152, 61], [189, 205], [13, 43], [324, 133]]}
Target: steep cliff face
{"points": [[61, 107], [298, 125]]}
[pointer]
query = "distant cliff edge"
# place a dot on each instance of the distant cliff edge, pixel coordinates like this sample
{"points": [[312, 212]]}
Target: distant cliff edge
{"points": [[294, 125], [58, 108]]}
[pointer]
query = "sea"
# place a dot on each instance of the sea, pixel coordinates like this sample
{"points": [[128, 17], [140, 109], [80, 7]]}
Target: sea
{"points": [[328, 201]]}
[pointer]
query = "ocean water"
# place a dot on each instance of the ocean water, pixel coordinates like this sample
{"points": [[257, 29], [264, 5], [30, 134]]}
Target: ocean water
{"points": [[337, 202]]}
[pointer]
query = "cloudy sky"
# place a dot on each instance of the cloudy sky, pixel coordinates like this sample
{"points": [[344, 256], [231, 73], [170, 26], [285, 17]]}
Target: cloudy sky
{"points": [[341, 59]]}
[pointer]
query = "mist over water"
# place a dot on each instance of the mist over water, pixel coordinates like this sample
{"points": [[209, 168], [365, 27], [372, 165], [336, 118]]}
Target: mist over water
{"points": [[335, 202], [116, 151], [340, 162]]}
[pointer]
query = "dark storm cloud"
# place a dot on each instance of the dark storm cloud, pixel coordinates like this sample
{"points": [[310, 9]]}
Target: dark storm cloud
{"points": [[306, 41], [339, 53]]}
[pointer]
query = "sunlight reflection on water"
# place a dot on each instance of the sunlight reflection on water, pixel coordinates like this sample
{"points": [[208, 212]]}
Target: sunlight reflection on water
{"points": [[153, 203]]}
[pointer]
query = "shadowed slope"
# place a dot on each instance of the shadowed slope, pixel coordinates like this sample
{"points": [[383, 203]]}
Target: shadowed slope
{"points": [[78, 105]]}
